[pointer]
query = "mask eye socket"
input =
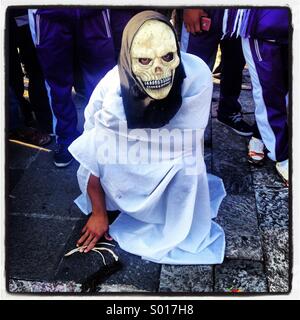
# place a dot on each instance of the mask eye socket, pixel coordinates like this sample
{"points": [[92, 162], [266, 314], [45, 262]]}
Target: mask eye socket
{"points": [[168, 57], [144, 61]]}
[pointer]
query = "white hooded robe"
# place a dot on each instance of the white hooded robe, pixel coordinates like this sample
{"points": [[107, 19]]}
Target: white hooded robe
{"points": [[166, 211]]}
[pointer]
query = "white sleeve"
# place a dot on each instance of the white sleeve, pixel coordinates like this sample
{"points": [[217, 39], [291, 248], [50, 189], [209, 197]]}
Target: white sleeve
{"points": [[196, 91], [97, 97], [84, 150], [94, 105]]}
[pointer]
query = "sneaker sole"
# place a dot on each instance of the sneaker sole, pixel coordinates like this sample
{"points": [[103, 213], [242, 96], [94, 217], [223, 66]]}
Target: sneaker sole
{"points": [[244, 134], [62, 165]]}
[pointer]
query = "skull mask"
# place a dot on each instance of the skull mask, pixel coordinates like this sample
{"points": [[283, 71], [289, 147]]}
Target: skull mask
{"points": [[154, 58]]}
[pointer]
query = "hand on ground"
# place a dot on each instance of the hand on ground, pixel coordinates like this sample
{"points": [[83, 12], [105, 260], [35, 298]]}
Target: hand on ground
{"points": [[95, 228]]}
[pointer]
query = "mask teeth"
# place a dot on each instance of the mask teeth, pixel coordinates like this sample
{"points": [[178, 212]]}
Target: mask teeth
{"points": [[157, 84]]}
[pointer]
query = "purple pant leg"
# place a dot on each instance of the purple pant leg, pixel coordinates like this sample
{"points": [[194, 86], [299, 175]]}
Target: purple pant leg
{"points": [[232, 63], [205, 44], [205, 47], [118, 20], [269, 75], [95, 48], [55, 51]]}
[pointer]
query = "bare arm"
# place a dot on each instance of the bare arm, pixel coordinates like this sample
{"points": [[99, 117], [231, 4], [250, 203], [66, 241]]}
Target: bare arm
{"points": [[191, 19], [97, 225]]}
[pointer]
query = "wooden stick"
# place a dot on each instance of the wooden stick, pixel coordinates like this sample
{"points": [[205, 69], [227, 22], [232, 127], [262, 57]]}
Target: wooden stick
{"points": [[29, 145]]}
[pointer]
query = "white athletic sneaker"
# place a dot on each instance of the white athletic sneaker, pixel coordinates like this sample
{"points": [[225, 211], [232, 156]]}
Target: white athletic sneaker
{"points": [[256, 151], [283, 170]]}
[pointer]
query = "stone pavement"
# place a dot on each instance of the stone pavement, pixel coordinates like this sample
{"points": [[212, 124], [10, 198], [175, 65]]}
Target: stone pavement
{"points": [[43, 224]]}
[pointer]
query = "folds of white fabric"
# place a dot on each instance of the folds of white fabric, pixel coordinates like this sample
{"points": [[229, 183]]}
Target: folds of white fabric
{"points": [[166, 208]]}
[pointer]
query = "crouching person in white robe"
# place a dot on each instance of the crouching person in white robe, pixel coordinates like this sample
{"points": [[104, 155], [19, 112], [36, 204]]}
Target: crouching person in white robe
{"points": [[141, 152]]}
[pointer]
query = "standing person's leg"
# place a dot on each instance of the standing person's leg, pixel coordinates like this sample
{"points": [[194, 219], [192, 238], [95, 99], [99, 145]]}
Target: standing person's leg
{"points": [[233, 62], [267, 69], [204, 44], [95, 48], [16, 77], [37, 91], [13, 112], [15, 72], [78, 80], [118, 20], [16, 128], [54, 41]]}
